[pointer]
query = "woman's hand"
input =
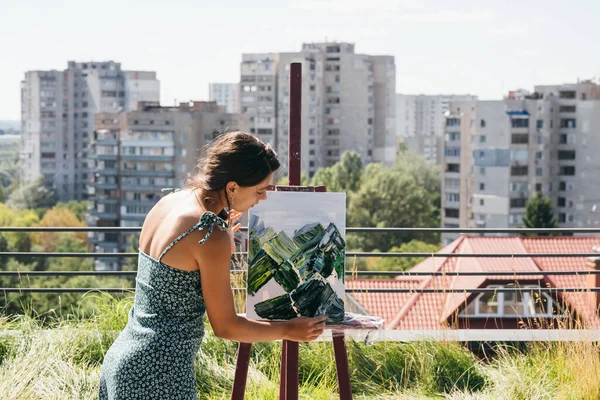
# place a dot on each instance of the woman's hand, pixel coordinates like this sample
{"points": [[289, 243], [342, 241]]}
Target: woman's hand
{"points": [[234, 226], [304, 329]]}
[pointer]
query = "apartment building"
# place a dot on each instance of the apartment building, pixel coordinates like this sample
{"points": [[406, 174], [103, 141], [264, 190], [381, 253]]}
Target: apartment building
{"points": [[348, 102], [137, 154], [420, 122], [226, 95], [58, 111], [500, 153]]}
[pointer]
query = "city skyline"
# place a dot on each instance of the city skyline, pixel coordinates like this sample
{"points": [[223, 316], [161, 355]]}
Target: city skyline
{"points": [[485, 51]]}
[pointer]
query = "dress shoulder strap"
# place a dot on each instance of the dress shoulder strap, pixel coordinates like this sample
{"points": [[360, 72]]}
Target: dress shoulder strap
{"points": [[207, 221]]}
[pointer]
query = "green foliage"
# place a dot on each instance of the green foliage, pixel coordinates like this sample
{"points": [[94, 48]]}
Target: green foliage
{"points": [[32, 195], [78, 208], [403, 263], [395, 197], [284, 180], [539, 213], [343, 176]]}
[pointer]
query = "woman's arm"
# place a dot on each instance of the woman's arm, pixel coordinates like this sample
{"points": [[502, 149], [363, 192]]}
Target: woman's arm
{"points": [[214, 259]]}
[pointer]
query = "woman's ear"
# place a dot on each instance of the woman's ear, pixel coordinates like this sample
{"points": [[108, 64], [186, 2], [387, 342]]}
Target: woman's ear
{"points": [[230, 189]]}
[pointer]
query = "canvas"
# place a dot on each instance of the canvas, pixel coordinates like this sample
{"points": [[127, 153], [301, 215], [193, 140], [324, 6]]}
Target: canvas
{"points": [[297, 244]]}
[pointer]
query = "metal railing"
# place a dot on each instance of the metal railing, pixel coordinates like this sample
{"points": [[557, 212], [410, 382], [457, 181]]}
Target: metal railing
{"points": [[350, 254]]}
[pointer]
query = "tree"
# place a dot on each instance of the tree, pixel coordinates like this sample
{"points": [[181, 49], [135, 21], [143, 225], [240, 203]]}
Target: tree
{"points": [[304, 181], [59, 217], [344, 176], [17, 241], [78, 208], [32, 195], [539, 213], [396, 197], [403, 263]]}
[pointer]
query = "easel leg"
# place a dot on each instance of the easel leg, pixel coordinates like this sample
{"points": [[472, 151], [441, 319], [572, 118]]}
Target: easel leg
{"points": [[241, 371], [283, 371], [290, 352], [341, 365]]}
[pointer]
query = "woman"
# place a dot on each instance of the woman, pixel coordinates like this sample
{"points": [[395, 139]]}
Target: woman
{"points": [[184, 270]]}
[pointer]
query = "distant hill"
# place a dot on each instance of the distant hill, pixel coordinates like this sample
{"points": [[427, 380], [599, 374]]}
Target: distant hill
{"points": [[16, 125]]}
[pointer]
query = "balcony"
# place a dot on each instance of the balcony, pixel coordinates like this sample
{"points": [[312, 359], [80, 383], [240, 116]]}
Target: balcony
{"points": [[105, 142], [105, 171], [105, 200], [143, 187], [106, 186], [102, 157], [134, 157], [149, 173]]}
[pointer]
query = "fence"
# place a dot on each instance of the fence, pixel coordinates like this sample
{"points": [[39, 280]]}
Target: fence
{"points": [[463, 335]]}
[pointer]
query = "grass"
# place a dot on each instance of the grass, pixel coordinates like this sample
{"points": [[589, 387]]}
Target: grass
{"points": [[59, 357]]}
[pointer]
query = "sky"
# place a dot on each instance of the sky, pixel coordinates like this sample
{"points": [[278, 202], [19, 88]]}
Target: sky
{"points": [[477, 47]]}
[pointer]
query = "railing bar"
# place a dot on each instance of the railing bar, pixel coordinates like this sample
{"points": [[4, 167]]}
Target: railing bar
{"points": [[348, 254], [348, 273], [348, 229], [354, 290]]}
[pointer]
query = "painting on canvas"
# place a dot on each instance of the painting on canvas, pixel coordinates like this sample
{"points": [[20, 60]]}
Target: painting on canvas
{"points": [[296, 254]]}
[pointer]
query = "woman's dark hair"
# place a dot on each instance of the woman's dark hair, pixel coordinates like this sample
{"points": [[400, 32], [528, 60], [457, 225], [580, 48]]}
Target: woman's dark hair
{"points": [[235, 156]]}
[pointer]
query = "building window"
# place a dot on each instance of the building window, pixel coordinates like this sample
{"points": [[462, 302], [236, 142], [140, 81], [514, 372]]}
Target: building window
{"points": [[561, 202], [451, 213], [452, 122], [519, 138], [519, 170], [538, 187], [566, 171], [562, 218], [452, 197], [539, 171], [481, 170], [482, 186], [482, 139], [539, 124], [520, 122], [518, 202], [519, 303], [566, 154], [568, 109], [515, 218], [483, 123], [567, 94], [481, 202], [452, 167], [567, 123]]}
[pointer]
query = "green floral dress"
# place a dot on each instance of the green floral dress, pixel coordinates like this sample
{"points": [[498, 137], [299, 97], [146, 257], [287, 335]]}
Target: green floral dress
{"points": [[153, 358]]}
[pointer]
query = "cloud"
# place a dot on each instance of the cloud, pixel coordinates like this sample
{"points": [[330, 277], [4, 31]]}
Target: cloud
{"points": [[511, 29], [445, 17], [355, 6], [400, 11]]}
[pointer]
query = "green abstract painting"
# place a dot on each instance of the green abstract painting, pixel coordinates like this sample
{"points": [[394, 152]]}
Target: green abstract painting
{"points": [[296, 256]]}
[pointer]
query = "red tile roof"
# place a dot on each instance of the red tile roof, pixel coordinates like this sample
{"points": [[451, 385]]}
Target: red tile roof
{"points": [[433, 310]]}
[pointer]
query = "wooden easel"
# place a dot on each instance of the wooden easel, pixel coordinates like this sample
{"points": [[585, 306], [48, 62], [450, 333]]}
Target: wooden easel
{"points": [[288, 386]]}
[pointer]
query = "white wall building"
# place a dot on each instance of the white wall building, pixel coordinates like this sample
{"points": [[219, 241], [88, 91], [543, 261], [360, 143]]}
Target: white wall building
{"points": [[348, 102], [226, 95], [500, 153]]}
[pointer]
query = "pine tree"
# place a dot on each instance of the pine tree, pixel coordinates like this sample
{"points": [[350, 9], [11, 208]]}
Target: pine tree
{"points": [[539, 213]]}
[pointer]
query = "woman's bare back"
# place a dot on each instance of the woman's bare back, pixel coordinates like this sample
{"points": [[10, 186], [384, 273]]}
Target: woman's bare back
{"points": [[170, 217]]}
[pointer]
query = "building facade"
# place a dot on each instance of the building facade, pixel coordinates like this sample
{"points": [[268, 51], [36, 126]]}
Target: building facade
{"points": [[420, 122], [226, 95], [348, 102], [498, 154], [58, 111], [137, 154]]}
